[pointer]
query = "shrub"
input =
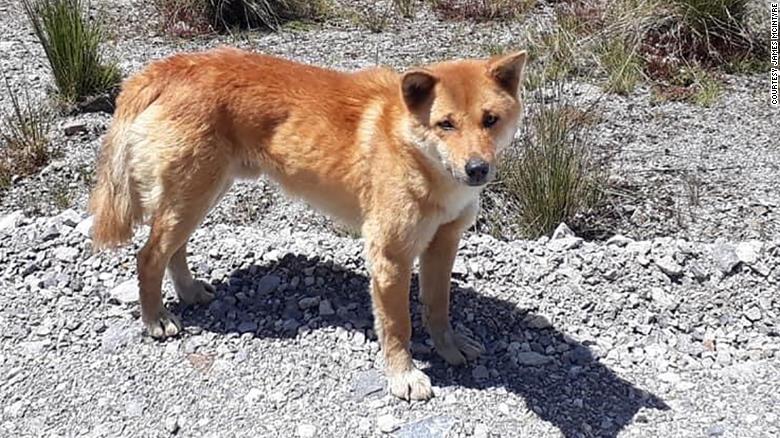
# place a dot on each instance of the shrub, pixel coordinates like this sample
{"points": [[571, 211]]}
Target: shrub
{"points": [[71, 42], [23, 130], [550, 176], [621, 62], [184, 18], [481, 10], [405, 7]]}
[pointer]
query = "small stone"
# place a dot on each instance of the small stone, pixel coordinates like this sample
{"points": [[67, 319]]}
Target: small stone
{"points": [[619, 240], [562, 231], [431, 427], [85, 227], [66, 254], [69, 218], [119, 335], [481, 431], [537, 322], [459, 268], [747, 252], [308, 302], [172, 425], [564, 243], [753, 313], [669, 267], [306, 430], [73, 128], [725, 257], [366, 383], [14, 410], [716, 430], [530, 358], [640, 247], [326, 309], [247, 327], [386, 423], [669, 377], [11, 220], [126, 292], [480, 372], [268, 284], [51, 233], [662, 298]]}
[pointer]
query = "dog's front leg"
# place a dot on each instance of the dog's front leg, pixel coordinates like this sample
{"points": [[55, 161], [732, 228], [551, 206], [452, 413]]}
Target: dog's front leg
{"points": [[390, 278], [435, 271]]}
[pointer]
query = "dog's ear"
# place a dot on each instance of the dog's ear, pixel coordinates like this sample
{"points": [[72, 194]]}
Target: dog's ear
{"points": [[417, 88], [509, 70]]}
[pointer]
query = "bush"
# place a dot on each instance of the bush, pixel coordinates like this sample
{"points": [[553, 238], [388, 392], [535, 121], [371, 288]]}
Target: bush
{"points": [[620, 60], [549, 177], [23, 130], [481, 10], [71, 42], [201, 16]]}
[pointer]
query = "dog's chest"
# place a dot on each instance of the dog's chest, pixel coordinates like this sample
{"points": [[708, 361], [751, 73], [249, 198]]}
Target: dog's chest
{"points": [[456, 201]]}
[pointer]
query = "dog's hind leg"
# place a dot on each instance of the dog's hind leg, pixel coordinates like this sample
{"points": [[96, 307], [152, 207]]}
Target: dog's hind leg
{"points": [[186, 193], [188, 289]]}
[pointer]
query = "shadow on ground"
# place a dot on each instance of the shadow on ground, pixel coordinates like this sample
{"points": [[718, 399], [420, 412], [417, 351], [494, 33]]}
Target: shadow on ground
{"points": [[575, 392]]}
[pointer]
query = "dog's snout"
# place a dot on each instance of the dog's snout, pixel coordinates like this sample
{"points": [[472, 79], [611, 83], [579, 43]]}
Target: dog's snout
{"points": [[477, 171]]}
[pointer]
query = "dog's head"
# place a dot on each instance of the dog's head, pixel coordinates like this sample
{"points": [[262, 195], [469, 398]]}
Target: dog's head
{"points": [[464, 113]]}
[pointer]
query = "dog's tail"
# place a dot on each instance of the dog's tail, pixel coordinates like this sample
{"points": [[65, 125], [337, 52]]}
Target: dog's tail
{"points": [[114, 201]]}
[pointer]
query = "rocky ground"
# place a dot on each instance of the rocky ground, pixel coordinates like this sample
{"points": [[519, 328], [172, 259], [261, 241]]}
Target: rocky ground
{"points": [[671, 331]]}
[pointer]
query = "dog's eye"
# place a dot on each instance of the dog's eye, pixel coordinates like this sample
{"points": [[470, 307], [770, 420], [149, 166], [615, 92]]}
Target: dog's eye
{"points": [[446, 125], [489, 120]]}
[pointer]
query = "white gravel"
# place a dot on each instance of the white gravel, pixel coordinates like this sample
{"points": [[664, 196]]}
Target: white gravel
{"points": [[670, 329]]}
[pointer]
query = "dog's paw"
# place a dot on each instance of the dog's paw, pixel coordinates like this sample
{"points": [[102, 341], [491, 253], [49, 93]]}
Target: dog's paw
{"points": [[410, 385], [197, 292], [164, 325], [457, 348]]}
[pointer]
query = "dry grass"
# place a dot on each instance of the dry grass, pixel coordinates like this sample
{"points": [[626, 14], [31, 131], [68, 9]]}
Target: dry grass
{"points": [[193, 17], [481, 10], [24, 134]]}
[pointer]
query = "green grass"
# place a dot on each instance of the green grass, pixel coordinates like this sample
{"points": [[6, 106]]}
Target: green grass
{"points": [[405, 7], [71, 41], [550, 176], [24, 134], [622, 64]]}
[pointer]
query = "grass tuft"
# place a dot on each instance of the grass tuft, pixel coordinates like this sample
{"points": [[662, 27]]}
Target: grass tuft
{"points": [[550, 176], [71, 42], [24, 134], [481, 10], [622, 65]]}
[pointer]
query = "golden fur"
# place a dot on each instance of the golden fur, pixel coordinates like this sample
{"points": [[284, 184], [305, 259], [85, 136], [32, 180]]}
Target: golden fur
{"points": [[380, 151]]}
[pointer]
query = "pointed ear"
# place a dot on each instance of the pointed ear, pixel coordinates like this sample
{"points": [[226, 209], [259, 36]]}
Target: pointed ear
{"points": [[417, 87], [509, 70]]}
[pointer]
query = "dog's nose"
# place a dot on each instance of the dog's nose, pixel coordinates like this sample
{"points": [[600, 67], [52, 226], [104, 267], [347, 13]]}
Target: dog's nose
{"points": [[477, 170]]}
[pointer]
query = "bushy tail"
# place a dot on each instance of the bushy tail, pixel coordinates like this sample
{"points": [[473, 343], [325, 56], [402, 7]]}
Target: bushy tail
{"points": [[113, 200]]}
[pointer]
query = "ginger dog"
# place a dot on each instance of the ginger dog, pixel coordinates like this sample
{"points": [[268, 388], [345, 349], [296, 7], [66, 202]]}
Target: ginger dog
{"points": [[401, 157]]}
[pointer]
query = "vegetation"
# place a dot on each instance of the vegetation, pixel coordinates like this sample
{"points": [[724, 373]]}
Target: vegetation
{"points": [[71, 42], [202, 16], [23, 131], [481, 10], [550, 176]]}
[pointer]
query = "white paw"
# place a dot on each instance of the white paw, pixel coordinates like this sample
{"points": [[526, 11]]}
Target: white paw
{"points": [[457, 348], [164, 325], [197, 292], [410, 385]]}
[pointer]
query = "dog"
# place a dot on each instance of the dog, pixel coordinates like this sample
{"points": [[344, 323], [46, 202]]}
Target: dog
{"points": [[402, 157]]}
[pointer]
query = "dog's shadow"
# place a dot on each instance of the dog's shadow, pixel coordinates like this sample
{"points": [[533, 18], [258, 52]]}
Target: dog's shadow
{"points": [[575, 391]]}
